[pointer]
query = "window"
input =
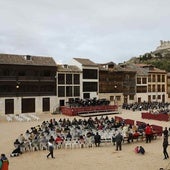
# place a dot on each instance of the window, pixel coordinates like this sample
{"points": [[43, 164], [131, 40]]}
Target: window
{"points": [[159, 88], [68, 91], [163, 88], [141, 89], [111, 98], [153, 78], [68, 78], [76, 79], [131, 97], [144, 81], [149, 88], [153, 88], [61, 79], [149, 78], [159, 96], [138, 80], [118, 98], [159, 78], [90, 86], [76, 91], [90, 74], [61, 91], [163, 78]]}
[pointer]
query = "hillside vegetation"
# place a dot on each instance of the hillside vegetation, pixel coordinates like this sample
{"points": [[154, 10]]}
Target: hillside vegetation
{"points": [[159, 60]]}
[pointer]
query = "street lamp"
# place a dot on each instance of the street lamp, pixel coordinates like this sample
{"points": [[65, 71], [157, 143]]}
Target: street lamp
{"points": [[18, 85]]}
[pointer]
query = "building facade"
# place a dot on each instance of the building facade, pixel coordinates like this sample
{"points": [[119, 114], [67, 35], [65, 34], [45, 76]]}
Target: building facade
{"points": [[116, 83], [151, 83], [34, 84], [27, 84], [68, 83], [89, 79]]}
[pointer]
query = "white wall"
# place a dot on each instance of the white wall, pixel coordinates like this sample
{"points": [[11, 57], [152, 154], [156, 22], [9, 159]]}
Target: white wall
{"points": [[38, 104]]}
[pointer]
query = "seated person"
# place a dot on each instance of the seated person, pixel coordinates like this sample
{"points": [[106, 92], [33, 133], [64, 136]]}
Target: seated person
{"points": [[69, 135], [16, 143], [81, 141], [140, 149], [58, 140], [137, 149], [16, 152], [136, 135]]}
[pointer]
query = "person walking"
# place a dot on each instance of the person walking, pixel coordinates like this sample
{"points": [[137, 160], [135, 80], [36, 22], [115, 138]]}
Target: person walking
{"points": [[4, 163], [165, 132], [51, 149], [165, 146]]}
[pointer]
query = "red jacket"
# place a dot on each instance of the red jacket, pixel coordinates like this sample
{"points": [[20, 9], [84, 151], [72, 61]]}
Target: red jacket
{"points": [[148, 130], [5, 164]]}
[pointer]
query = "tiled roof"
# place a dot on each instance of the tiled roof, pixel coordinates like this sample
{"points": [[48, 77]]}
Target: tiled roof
{"points": [[106, 67], [151, 68], [133, 67], [144, 69], [156, 70], [24, 60], [85, 62], [67, 68]]}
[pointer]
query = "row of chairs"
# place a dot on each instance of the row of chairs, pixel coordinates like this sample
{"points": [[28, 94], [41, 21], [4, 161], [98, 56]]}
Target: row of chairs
{"points": [[22, 117]]}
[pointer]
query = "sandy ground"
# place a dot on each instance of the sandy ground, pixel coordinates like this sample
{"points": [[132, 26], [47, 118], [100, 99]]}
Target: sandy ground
{"points": [[104, 157]]}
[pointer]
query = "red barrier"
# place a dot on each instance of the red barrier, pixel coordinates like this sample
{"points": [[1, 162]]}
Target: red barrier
{"points": [[157, 129], [160, 116], [74, 111], [119, 119], [138, 123], [129, 121]]}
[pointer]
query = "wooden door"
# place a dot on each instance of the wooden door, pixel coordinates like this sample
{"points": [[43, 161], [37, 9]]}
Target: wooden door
{"points": [[9, 106]]}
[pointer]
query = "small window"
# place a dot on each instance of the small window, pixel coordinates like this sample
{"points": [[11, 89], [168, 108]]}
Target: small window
{"points": [[27, 57], [111, 98]]}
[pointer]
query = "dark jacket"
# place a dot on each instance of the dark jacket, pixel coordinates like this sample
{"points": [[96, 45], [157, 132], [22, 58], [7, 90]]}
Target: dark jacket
{"points": [[165, 142], [97, 138], [118, 138]]}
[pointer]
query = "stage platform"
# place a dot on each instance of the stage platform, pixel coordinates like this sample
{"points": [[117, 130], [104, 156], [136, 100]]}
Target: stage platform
{"points": [[97, 114], [89, 110]]}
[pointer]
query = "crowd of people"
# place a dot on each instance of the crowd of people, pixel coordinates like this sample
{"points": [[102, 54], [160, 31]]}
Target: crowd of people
{"points": [[153, 107], [77, 102], [79, 133]]}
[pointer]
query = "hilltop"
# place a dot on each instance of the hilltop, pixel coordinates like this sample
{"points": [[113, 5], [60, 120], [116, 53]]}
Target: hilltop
{"points": [[159, 58]]}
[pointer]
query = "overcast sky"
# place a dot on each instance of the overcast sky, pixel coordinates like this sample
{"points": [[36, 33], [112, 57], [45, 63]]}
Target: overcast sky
{"points": [[101, 30]]}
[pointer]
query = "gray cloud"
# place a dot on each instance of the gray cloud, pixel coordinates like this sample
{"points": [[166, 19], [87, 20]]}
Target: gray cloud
{"points": [[101, 30]]}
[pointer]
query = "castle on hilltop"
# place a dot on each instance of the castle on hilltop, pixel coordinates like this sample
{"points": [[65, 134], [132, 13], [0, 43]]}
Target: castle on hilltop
{"points": [[164, 45]]}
